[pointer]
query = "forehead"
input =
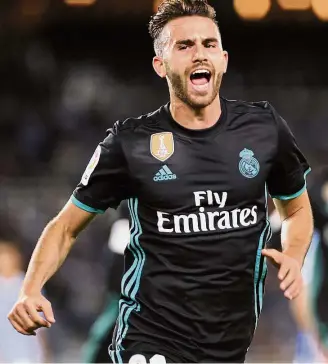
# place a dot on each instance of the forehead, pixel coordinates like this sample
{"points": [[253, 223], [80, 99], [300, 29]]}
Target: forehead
{"points": [[191, 27]]}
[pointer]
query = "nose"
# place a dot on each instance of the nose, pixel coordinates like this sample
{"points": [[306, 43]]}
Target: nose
{"points": [[199, 54]]}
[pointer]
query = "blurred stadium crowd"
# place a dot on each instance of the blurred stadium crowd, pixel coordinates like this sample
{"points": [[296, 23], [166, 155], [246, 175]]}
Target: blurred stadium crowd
{"points": [[64, 82]]}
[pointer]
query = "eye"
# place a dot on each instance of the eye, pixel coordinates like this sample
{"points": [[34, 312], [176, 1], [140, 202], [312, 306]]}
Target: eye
{"points": [[182, 47], [210, 45]]}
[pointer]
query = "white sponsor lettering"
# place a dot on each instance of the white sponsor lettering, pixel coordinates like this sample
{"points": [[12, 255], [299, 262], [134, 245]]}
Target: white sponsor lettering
{"points": [[189, 223], [160, 222], [221, 219], [140, 359]]}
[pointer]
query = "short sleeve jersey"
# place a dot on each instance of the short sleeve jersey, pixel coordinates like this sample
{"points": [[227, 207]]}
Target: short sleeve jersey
{"points": [[194, 275]]}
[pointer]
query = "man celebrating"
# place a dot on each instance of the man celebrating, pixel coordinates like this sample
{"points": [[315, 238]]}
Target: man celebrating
{"points": [[196, 174]]}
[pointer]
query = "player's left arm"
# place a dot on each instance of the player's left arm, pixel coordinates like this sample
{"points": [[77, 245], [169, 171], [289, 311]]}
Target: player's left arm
{"points": [[287, 186], [296, 234], [297, 226]]}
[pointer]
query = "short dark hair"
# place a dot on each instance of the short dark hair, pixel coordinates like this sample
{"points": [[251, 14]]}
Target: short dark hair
{"points": [[172, 9]]}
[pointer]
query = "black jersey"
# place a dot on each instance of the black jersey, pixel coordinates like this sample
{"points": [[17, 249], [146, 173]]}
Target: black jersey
{"points": [[194, 274], [118, 240]]}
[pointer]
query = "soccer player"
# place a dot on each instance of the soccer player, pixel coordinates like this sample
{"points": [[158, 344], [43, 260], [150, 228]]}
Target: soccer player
{"points": [[196, 174], [15, 348]]}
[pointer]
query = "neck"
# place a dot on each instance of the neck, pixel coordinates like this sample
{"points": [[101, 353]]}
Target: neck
{"points": [[191, 118]]}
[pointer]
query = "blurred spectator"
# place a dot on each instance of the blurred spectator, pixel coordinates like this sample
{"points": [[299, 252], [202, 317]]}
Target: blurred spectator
{"points": [[14, 347]]}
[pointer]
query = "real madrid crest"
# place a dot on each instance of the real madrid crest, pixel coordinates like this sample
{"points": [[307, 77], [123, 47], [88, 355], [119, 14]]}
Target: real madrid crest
{"points": [[248, 166], [162, 146]]}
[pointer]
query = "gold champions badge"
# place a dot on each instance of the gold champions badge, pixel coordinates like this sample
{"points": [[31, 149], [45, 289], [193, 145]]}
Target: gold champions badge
{"points": [[162, 146]]}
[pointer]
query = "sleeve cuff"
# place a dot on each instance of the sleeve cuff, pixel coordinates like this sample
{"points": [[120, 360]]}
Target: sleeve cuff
{"points": [[85, 207], [296, 194]]}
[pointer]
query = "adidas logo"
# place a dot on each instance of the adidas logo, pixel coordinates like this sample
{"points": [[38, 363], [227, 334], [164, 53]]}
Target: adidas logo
{"points": [[164, 174]]}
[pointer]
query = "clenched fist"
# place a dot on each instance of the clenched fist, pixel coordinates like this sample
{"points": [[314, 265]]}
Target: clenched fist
{"points": [[289, 272], [25, 316]]}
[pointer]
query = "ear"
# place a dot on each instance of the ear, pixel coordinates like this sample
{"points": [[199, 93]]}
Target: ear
{"points": [[159, 67], [226, 59]]}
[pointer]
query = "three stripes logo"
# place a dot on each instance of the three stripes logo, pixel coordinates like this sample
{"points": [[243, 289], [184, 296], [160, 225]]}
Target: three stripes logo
{"points": [[164, 174]]}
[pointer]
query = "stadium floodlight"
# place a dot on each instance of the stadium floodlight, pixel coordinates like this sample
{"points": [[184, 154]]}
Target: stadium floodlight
{"points": [[252, 9], [79, 2], [320, 9], [295, 4]]}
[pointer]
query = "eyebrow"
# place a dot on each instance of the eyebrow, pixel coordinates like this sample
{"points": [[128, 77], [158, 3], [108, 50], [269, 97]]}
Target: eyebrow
{"points": [[191, 42]]}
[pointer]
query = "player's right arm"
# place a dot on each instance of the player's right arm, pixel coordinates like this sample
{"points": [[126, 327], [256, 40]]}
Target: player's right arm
{"points": [[105, 183], [50, 252]]}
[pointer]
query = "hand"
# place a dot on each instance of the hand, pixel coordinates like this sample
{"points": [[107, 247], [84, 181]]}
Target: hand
{"points": [[24, 316], [289, 272]]}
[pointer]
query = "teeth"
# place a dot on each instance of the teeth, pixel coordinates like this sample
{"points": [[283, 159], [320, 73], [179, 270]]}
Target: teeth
{"points": [[201, 71]]}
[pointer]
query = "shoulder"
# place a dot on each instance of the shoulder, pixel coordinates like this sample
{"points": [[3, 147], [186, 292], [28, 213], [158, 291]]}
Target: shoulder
{"points": [[132, 124], [246, 107], [258, 112]]}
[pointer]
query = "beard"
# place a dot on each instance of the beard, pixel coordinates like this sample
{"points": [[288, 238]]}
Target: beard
{"points": [[179, 84]]}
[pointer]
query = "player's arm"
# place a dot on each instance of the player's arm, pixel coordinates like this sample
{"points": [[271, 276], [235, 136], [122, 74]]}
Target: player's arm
{"points": [[297, 226], [105, 183], [287, 186], [296, 233], [53, 246], [50, 252]]}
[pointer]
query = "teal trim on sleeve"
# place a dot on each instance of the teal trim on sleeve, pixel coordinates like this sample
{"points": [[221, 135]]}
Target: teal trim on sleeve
{"points": [[294, 195], [84, 207]]}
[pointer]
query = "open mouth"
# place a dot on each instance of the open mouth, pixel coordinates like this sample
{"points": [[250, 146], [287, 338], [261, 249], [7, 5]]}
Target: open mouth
{"points": [[200, 77]]}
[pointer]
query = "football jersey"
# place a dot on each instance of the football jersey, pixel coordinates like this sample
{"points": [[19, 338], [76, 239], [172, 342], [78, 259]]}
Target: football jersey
{"points": [[194, 274]]}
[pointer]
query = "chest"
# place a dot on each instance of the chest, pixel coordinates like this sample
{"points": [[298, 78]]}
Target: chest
{"points": [[171, 170]]}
